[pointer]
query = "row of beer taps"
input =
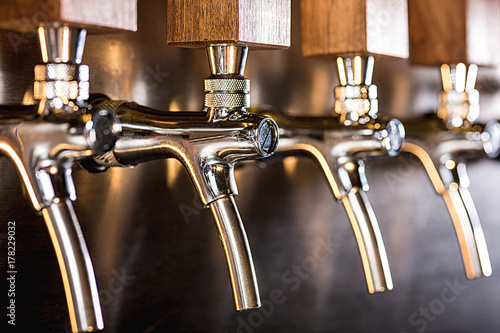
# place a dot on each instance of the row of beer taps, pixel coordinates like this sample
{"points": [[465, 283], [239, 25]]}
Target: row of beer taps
{"points": [[70, 126]]}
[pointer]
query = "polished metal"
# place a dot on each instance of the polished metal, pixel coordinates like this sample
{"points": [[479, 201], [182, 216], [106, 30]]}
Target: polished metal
{"points": [[45, 146], [443, 143], [227, 87], [208, 144], [340, 145]]}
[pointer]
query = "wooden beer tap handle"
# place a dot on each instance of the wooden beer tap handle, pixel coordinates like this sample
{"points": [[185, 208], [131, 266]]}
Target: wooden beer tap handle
{"points": [[255, 23]]}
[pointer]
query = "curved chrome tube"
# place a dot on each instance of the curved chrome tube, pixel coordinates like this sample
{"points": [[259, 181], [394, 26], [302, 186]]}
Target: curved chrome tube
{"points": [[370, 242], [441, 151], [340, 151], [76, 267], [238, 254]]}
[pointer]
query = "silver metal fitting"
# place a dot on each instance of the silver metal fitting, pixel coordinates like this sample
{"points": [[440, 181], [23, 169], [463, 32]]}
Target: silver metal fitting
{"points": [[61, 80], [227, 88], [459, 101], [356, 97]]}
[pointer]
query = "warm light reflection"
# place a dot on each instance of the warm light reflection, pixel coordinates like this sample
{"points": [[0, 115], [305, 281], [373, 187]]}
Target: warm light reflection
{"points": [[460, 77], [446, 77], [65, 45], [173, 170], [290, 165], [24, 174], [357, 70], [450, 164], [429, 166], [341, 68], [43, 44]]}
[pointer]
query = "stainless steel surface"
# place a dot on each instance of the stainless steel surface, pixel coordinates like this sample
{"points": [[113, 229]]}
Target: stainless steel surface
{"points": [[157, 256], [238, 256]]}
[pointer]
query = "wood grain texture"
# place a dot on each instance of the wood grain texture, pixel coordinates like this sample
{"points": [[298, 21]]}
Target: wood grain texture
{"points": [[332, 27], [26, 15], [339, 27], [256, 23], [452, 31]]}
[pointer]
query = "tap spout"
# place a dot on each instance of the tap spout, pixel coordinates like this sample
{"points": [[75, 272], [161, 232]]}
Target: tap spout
{"points": [[238, 254], [76, 266], [365, 226], [451, 181], [466, 220]]}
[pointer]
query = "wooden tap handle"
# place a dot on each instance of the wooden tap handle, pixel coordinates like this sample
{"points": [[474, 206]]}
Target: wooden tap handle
{"points": [[340, 27], [255, 23], [27, 15], [453, 31]]}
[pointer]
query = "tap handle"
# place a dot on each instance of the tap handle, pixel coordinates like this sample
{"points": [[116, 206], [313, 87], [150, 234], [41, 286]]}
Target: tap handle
{"points": [[450, 32], [238, 254], [259, 24], [465, 219], [28, 15], [365, 226], [76, 266], [354, 27]]}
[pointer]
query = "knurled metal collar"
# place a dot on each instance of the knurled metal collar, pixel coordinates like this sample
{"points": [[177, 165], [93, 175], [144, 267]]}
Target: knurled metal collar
{"points": [[354, 102], [64, 81], [227, 93], [459, 109], [61, 72]]}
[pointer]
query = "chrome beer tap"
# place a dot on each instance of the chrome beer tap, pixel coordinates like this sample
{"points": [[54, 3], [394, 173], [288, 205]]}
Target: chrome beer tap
{"points": [[340, 144], [208, 144], [44, 142], [444, 142]]}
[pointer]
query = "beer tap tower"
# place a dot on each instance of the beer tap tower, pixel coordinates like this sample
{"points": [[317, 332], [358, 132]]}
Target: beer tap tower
{"points": [[457, 36], [44, 141], [209, 143], [355, 131]]}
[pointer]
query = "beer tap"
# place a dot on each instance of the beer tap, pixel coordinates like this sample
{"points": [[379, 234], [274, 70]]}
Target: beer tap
{"points": [[355, 131], [340, 144], [45, 140], [445, 141], [211, 142]]}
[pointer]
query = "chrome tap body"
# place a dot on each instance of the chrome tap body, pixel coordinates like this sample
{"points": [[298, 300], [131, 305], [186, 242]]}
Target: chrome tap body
{"points": [[443, 143], [208, 144], [44, 142], [340, 144]]}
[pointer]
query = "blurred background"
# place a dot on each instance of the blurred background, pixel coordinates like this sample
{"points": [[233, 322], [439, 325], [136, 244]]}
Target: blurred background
{"points": [[156, 252]]}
